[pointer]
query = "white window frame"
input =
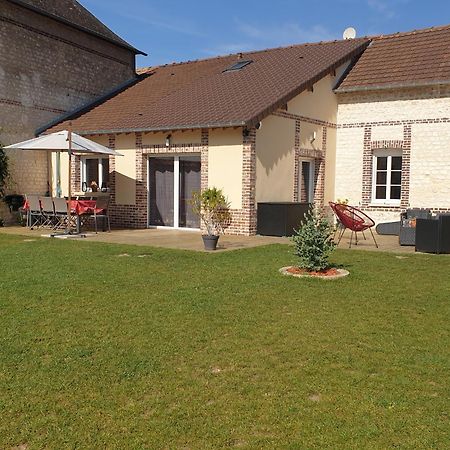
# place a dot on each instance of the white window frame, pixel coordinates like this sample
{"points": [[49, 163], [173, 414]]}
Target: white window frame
{"points": [[389, 153], [100, 171]]}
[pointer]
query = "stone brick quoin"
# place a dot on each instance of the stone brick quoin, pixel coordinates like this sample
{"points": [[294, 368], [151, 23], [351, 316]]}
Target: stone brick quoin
{"points": [[248, 217], [367, 167], [298, 126]]}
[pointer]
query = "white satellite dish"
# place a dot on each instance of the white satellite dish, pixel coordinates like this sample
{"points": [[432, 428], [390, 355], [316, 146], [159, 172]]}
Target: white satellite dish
{"points": [[349, 33]]}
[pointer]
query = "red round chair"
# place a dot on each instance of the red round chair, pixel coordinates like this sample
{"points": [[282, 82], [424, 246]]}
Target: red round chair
{"points": [[353, 219]]}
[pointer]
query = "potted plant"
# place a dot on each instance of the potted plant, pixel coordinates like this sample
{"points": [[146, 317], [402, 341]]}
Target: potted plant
{"points": [[213, 209]]}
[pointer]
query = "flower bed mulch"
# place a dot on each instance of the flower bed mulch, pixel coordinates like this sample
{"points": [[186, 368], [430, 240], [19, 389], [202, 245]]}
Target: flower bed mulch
{"points": [[327, 274]]}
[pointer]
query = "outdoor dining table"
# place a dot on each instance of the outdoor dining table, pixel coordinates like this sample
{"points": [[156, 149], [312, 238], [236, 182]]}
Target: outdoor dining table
{"points": [[77, 207], [83, 207]]}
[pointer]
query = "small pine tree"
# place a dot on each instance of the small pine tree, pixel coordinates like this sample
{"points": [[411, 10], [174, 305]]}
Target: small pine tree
{"points": [[314, 242]]}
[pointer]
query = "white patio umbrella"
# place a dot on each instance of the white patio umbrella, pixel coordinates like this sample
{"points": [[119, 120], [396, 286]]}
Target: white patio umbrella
{"points": [[64, 141]]}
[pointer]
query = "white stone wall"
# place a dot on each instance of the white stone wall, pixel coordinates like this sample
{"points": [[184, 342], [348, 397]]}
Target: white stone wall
{"points": [[349, 163], [385, 115], [430, 165], [387, 132]]}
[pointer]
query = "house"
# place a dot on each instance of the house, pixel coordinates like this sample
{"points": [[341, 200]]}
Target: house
{"points": [[394, 125], [55, 57], [252, 124], [351, 119]]}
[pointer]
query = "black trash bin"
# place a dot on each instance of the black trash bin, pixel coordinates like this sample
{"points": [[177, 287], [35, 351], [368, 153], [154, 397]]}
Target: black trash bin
{"points": [[280, 218]]}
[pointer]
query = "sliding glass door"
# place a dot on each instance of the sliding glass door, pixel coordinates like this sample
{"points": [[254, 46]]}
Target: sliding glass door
{"points": [[171, 182]]}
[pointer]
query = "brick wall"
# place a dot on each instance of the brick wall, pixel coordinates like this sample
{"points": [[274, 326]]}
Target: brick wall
{"points": [[136, 216], [417, 121], [48, 69]]}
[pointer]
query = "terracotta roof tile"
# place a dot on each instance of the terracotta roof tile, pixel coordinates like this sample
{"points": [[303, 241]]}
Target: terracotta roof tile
{"points": [[198, 94], [412, 58]]}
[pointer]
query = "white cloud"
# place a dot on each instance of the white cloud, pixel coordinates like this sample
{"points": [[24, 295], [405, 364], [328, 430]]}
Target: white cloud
{"points": [[387, 9], [285, 33], [381, 7], [257, 37], [225, 49], [177, 25]]}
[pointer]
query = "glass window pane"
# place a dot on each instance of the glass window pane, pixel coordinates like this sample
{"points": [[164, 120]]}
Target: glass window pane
{"points": [[380, 192], [396, 178], [381, 177], [382, 163], [161, 176], [395, 192], [306, 188], [105, 173], [396, 163], [91, 171], [190, 178]]}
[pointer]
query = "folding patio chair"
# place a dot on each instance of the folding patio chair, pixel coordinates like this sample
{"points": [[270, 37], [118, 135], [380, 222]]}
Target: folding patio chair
{"points": [[34, 214], [61, 218], [48, 212]]}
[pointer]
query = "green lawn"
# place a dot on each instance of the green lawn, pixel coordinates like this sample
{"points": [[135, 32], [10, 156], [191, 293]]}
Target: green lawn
{"points": [[172, 349]]}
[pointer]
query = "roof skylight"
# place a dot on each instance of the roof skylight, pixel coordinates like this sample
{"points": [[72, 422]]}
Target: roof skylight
{"points": [[238, 65]]}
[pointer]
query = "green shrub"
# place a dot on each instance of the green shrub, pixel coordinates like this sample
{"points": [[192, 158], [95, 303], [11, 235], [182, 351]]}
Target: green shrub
{"points": [[314, 242]]}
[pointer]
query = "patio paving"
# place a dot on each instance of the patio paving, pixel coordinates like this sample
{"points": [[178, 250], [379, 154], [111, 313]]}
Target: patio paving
{"points": [[191, 240]]}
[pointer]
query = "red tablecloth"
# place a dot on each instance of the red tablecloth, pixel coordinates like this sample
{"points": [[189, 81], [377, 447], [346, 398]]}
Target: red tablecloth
{"points": [[80, 207]]}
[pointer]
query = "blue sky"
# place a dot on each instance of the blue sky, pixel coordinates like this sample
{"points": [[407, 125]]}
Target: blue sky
{"points": [[174, 30]]}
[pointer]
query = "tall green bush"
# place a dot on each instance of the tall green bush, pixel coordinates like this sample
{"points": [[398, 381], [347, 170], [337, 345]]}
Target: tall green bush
{"points": [[314, 242]]}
